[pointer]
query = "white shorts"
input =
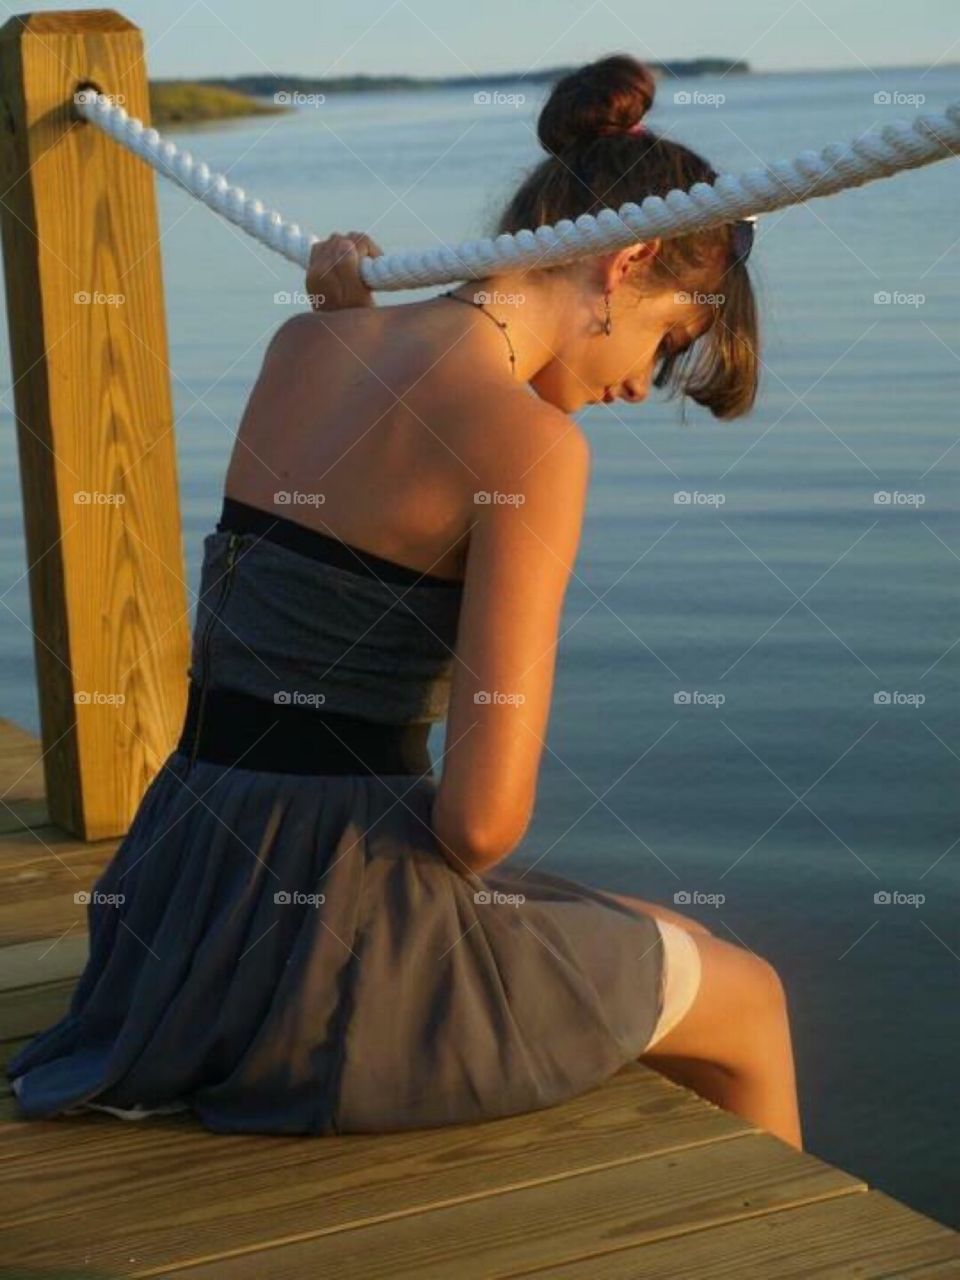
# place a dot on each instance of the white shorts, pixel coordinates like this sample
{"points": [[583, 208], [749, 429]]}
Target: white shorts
{"points": [[681, 976]]}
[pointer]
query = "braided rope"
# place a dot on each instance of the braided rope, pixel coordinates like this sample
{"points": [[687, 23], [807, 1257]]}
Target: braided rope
{"points": [[898, 146]]}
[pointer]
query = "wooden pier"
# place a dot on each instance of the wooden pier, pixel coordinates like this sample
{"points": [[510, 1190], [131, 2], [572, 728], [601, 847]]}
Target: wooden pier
{"points": [[637, 1178]]}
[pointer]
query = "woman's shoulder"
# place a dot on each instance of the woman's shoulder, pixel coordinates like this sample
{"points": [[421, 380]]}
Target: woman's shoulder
{"points": [[490, 430], [305, 331], [498, 428]]}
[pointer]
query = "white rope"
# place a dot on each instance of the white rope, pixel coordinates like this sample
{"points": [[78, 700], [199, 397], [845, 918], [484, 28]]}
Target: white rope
{"points": [[927, 138]]}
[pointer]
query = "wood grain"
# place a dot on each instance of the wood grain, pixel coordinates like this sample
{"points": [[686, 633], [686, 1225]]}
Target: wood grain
{"points": [[94, 418]]}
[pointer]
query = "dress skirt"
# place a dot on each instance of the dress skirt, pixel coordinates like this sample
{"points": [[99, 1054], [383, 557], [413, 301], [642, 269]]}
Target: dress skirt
{"points": [[288, 953]]}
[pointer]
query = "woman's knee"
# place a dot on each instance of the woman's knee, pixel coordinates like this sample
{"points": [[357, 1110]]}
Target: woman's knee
{"points": [[738, 1012], [752, 984]]}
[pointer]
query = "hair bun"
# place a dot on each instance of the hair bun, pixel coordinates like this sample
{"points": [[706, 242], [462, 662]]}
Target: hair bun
{"points": [[607, 96]]}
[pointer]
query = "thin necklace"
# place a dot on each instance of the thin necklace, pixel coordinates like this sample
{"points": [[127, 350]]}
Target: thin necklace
{"points": [[501, 324]]}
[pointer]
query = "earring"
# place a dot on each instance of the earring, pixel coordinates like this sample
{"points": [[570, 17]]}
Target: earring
{"points": [[606, 320]]}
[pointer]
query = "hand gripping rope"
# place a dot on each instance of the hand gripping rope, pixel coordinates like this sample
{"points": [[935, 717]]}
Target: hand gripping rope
{"points": [[929, 137]]}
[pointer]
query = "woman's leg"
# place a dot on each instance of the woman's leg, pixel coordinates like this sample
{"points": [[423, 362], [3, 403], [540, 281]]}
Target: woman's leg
{"points": [[733, 1044]]}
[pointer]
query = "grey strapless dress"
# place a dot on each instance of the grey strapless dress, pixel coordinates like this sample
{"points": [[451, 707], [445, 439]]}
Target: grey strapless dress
{"points": [[283, 951]]}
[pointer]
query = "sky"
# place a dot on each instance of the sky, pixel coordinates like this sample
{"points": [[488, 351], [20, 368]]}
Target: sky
{"points": [[198, 38]]}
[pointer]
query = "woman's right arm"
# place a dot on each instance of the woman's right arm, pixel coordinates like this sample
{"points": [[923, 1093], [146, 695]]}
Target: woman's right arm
{"points": [[520, 556]]}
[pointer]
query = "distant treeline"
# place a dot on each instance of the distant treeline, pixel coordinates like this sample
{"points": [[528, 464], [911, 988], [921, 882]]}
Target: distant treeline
{"points": [[265, 86]]}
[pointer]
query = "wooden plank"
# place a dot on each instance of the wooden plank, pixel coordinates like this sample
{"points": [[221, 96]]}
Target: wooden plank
{"points": [[26, 1010], [860, 1236], [41, 872], [36, 982], [32, 964], [541, 1225], [22, 799], [94, 413], [200, 1194]]}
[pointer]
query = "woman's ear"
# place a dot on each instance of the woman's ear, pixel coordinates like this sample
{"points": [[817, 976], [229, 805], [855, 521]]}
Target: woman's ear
{"points": [[620, 264]]}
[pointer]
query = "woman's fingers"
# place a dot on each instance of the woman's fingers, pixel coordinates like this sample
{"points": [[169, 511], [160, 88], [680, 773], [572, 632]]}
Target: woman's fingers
{"points": [[333, 272], [365, 245]]}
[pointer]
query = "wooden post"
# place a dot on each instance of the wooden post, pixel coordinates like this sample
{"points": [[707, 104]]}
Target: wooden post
{"points": [[94, 414]]}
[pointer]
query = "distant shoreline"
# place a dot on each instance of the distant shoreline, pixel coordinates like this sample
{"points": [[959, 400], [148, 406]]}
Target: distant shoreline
{"points": [[224, 98], [266, 86]]}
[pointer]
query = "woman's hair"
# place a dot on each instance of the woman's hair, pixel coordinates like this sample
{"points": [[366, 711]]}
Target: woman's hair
{"points": [[594, 163]]}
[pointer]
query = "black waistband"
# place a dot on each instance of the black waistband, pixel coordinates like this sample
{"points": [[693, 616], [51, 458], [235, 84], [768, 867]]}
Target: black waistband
{"points": [[239, 729]]}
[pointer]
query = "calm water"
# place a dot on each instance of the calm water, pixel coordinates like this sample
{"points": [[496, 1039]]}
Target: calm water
{"points": [[798, 797]]}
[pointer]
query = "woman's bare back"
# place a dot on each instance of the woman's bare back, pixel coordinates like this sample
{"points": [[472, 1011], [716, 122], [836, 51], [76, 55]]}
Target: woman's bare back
{"points": [[398, 417], [365, 419]]}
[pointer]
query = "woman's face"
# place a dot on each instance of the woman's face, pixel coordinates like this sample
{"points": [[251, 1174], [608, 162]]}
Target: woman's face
{"points": [[591, 367]]}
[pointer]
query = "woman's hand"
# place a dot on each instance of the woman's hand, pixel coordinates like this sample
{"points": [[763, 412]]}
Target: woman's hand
{"points": [[333, 275]]}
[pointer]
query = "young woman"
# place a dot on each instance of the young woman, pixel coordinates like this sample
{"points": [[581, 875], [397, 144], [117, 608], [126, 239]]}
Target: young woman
{"points": [[304, 930]]}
